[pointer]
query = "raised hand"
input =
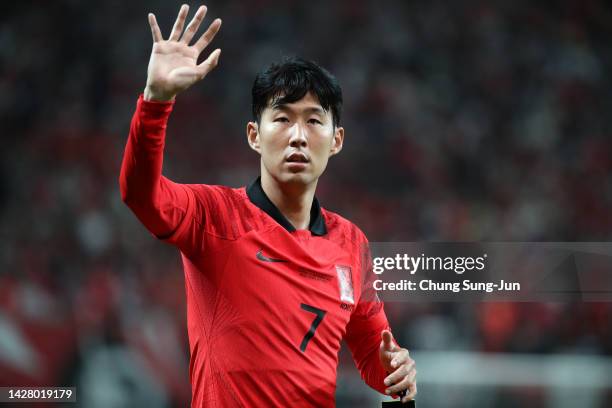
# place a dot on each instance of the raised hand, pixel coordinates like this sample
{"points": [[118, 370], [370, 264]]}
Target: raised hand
{"points": [[402, 372], [173, 66]]}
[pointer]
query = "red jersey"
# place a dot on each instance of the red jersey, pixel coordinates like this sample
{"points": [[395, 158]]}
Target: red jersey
{"points": [[267, 305]]}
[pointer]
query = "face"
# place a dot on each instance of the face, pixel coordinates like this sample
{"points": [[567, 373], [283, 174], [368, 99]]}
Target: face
{"points": [[295, 140]]}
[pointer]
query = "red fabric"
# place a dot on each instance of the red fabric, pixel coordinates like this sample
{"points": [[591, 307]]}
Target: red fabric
{"points": [[245, 317]]}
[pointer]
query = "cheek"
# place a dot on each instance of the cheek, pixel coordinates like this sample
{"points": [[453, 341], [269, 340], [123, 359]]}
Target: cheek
{"points": [[273, 147], [322, 142], [319, 149]]}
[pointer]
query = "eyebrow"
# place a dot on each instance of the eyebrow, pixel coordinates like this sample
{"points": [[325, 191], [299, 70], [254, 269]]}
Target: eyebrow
{"points": [[285, 107]]}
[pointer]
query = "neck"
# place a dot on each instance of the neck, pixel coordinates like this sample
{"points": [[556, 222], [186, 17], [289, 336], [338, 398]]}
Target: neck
{"points": [[294, 201]]}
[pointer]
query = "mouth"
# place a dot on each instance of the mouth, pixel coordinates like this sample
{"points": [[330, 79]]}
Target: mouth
{"points": [[297, 158]]}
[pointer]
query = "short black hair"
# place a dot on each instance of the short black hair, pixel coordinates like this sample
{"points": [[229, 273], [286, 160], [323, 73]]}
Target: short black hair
{"points": [[289, 80]]}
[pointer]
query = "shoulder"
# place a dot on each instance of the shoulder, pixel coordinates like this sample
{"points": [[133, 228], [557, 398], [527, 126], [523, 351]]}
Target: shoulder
{"points": [[218, 189], [340, 228], [349, 238], [211, 194], [224, 210]]}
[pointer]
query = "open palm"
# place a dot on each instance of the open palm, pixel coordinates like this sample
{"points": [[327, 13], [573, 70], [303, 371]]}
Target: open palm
{"points": [[173, 66]]}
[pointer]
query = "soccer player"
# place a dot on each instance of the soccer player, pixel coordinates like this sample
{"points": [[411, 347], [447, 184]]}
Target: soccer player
{"points": [[274, 282]]}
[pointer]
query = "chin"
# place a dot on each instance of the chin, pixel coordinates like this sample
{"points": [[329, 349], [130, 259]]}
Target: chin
{"points": [[303, 178]]}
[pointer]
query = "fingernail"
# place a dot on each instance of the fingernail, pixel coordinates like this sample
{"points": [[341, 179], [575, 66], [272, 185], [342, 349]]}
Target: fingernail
{"points": [[387, 392], [387, 382]]}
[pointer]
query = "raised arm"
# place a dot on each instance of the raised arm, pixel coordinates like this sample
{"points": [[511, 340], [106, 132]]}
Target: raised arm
{"points": [[160, 204]]}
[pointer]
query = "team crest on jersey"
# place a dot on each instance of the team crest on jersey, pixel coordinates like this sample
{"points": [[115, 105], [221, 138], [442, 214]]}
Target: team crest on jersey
{"points": [[345, 283]]}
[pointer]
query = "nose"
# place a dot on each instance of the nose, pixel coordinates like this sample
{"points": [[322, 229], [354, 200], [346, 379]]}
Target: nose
{"points": [[298, 136]]}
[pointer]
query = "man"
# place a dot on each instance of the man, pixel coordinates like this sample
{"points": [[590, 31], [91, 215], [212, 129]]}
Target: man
{"points": [[274, 282]]}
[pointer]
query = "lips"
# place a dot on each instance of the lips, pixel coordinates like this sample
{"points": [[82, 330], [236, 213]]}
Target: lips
{"points": [[297, 158]]}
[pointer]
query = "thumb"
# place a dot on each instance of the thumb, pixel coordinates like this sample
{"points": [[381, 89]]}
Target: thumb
{"points": [[209, 63], [387, 339]]}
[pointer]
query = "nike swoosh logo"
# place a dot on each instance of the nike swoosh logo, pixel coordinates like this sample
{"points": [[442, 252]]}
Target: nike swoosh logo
{"points": [[264, 258]]}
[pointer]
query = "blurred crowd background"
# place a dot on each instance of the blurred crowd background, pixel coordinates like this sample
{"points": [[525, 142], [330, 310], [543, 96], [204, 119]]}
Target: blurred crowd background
{"points": [[465, 121]]}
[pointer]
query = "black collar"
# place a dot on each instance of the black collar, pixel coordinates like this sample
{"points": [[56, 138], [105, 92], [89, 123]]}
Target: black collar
{"points": [[261, 200]]}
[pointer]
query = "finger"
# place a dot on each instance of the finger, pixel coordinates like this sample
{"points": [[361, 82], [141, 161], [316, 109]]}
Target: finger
{"points": [[412, 394], [399, 373], [157, 37], [400, 357], [208, 36], [404, 384], [387, 339], [193, 26], [396, 376], [179, 23], [209, 64]]}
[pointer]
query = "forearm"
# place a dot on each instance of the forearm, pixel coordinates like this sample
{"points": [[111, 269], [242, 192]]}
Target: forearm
{"points": [[368, 363], [363, 339], [156, 201]]}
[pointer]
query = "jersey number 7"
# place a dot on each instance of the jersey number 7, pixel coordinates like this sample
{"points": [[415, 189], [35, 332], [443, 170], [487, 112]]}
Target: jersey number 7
{"points": [[320, 314]]}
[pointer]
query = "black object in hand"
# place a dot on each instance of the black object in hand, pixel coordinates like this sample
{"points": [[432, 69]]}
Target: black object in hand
{"points": [[391, 404], [402, 394]]}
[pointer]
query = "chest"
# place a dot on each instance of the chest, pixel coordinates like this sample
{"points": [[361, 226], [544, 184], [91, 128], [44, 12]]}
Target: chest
{"points": [[307, 283]]}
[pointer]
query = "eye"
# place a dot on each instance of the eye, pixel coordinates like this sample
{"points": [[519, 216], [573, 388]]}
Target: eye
{"points": [[281, 119], [315, 121]]}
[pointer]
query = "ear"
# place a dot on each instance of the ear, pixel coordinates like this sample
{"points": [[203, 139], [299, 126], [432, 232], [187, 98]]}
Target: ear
{"points": [[252, 132], [337, 142]]}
